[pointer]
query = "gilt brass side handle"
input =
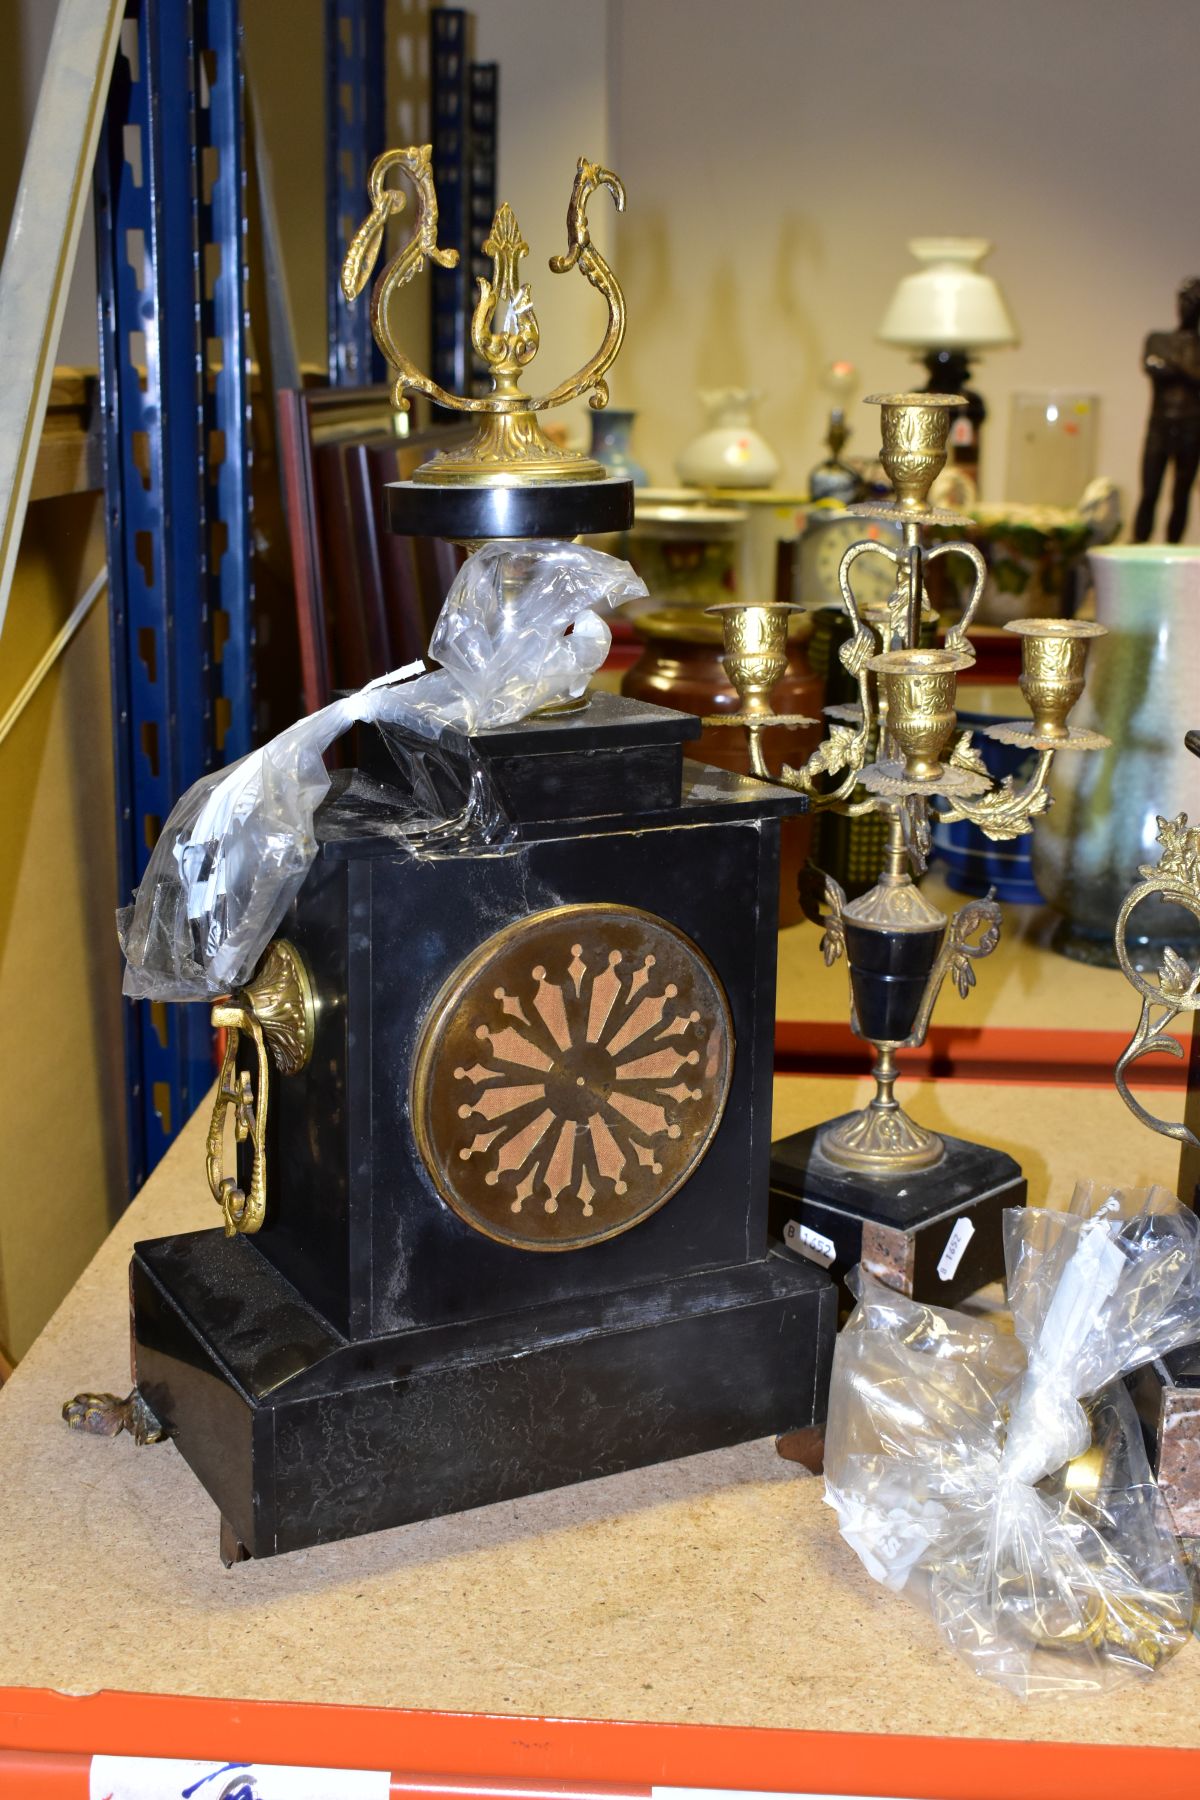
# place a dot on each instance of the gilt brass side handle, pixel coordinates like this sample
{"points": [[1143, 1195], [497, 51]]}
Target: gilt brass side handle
{"points": [[277, 1011], [956, 637], [973, 933]]}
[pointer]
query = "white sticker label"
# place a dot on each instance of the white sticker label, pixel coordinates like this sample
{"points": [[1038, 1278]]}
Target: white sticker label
{"points": [[956, 1243], [164, 1778], [807, 1242]]}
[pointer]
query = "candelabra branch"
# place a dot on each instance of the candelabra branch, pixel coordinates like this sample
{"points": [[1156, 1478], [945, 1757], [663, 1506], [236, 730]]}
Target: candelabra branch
{"points": [[843, 751], [754, 729], [1007, 811]]}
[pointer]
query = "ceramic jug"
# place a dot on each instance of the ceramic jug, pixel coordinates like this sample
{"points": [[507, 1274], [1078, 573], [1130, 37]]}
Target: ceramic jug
{"points": [[730, 452], [1143, 692]]}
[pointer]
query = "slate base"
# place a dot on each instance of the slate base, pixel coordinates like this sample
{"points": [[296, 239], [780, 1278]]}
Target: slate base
{"points": [[898, 1228], [302, 1437]]}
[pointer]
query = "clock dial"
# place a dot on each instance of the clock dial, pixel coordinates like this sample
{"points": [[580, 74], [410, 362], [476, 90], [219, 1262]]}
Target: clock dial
{"points": [[822, 548], [571, 1075]]}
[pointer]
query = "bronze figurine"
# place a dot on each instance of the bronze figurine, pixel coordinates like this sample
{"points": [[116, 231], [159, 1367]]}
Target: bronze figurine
{"points": [[1172, 361]]}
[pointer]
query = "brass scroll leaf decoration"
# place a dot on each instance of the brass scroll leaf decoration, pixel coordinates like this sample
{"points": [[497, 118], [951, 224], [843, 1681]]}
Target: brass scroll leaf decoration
{"points": [[581, 253], [363, 253], [415, 164], [504, 327], [1176, 880], [833, 938], [984, 917]]}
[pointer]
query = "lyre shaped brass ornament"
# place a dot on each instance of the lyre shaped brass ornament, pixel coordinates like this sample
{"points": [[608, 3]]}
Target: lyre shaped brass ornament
{"points": [[509, 445], [276, 1010]]}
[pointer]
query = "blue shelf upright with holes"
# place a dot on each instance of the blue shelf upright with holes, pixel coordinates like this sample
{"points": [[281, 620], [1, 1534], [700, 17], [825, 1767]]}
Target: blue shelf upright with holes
{"points": [[355, 63], [168, 186]]}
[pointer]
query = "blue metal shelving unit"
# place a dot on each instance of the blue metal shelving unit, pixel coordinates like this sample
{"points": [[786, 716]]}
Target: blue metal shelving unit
{"points": [[225, 366], [355, 65], [174, 396], [174, 366]]}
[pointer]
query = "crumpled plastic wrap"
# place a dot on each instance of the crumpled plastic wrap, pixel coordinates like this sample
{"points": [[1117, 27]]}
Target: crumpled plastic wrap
{"points": [[1002, 1480], [520, 628]]}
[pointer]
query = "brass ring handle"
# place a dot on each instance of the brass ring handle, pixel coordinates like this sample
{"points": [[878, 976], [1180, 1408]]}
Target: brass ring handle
{"points": [[242, 1212], [278, 1011]]}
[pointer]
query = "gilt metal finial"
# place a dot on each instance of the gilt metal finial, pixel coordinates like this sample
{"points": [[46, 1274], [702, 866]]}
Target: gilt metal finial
{"points": [[509, 446]]}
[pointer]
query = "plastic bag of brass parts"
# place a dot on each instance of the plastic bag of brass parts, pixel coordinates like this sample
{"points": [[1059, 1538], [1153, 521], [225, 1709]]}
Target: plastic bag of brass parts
{"points": [[1002, 1481], [519, 629]]}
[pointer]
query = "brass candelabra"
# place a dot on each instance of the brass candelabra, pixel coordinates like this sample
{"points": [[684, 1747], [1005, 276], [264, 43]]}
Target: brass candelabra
{"points": [[899, 947]]}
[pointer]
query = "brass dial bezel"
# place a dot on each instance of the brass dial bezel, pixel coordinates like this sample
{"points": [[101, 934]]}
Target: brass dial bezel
{"points": [[444, 1011]]}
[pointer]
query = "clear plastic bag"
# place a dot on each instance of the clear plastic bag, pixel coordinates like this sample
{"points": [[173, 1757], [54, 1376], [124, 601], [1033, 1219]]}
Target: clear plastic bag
{"points": [[520, 628], [1002, 1480]]}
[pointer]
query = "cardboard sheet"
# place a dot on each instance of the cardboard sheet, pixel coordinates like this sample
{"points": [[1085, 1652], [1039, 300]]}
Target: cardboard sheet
{"points": [[709, 1590]]}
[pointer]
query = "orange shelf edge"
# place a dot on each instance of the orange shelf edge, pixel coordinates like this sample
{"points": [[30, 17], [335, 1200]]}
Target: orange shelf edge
{"points": [[52, 1736], [1041, 1054]]}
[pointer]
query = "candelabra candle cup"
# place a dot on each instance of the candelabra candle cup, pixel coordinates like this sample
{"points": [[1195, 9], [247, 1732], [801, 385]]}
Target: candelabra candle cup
{"points": [[1053, 660], [918, 690], [914, 428], [756, 650]]}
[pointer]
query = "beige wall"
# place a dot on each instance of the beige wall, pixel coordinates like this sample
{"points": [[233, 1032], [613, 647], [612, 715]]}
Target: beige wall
{"points": [[62, 1107], [284, 62], [554, 108], [778, 154]]}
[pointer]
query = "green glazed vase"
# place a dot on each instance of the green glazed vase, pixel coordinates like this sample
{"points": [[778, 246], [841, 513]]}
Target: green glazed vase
{"points": [[1143, 692]]}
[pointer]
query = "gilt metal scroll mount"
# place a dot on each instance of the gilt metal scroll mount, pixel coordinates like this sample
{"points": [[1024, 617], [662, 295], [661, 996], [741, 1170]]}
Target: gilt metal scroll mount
{"points": [[509, 445], [1175, 880]]}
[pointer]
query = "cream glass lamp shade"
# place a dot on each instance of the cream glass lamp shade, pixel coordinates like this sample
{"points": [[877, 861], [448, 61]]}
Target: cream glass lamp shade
{"points": [[948, 303]]}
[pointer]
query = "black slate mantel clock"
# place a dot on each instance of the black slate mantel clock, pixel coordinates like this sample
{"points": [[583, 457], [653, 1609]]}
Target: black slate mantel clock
{"points": [[506, 1227]]}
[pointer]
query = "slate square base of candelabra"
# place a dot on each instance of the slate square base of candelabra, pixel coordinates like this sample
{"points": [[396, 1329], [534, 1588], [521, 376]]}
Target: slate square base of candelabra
{"points": [[935, 1234], [302, 1436]]}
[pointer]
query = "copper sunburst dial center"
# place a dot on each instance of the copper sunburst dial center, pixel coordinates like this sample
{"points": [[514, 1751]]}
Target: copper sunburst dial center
{"points": [[571, 1075]]}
